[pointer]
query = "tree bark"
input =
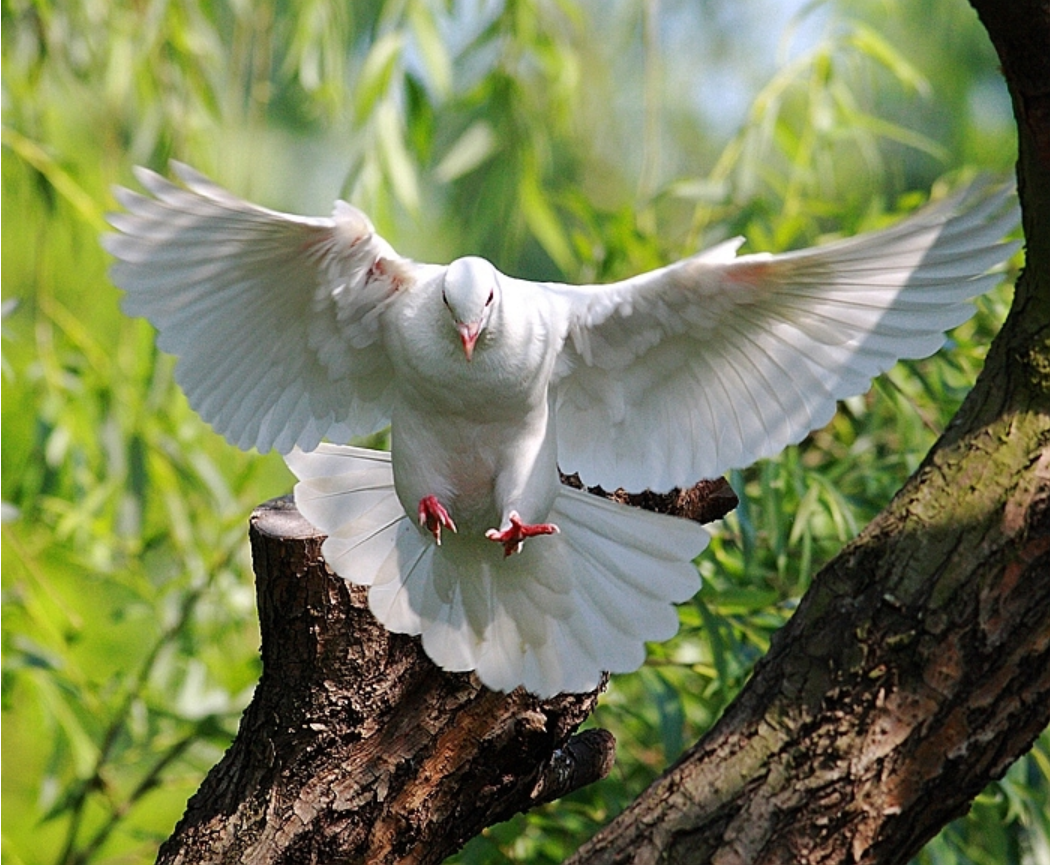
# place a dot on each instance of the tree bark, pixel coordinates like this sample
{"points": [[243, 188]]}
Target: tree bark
{"points": [[356, 748], [917, 667]]}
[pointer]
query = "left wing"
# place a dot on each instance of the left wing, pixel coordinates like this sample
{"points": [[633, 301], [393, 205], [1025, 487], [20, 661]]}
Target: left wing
{"points": [[274, 317], [717, 361]]}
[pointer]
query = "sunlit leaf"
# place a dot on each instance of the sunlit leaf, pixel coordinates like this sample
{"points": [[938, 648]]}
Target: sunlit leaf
{"points": [[473, 147], [373, 81], [544, 224], [431, 47], [400, 169], [60, 180], [872, 43]]}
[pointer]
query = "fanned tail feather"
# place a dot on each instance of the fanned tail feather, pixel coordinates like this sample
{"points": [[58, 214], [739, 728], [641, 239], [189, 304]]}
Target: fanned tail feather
{"points": [[551, 618], [348, 493]]}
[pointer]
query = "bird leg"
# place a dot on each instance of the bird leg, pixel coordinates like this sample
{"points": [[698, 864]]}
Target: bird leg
{"points": [[434, 517], [513, 536]]}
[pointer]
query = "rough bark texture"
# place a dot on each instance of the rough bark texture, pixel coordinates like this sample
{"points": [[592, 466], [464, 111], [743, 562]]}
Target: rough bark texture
{"points": [[356, 748], [917, 668]]}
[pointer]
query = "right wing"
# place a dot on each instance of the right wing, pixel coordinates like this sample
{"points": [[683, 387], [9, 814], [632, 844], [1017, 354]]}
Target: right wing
{"points": [[274, 317], [717, 361]]}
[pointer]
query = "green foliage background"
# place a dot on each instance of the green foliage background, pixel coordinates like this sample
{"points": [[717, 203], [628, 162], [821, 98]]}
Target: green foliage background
{"points": [[579, 140]]}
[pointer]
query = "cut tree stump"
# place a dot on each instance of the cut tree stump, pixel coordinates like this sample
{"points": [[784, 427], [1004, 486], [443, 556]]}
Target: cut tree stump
{"points": [[357, 748]]}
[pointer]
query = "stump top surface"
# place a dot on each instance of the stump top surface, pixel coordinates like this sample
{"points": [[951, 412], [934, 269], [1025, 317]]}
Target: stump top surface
{"points": [[279, 518]]}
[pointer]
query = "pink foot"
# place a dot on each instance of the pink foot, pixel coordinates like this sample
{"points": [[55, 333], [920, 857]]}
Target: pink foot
{"points": [[433, 515], [512, 537]]}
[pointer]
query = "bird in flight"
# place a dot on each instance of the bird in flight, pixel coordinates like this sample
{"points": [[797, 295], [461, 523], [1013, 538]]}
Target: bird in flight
{"points": [[289, 330]]}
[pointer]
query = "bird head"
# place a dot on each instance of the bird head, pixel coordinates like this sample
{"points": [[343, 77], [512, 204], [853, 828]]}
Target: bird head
{"points": [[471, 291]]}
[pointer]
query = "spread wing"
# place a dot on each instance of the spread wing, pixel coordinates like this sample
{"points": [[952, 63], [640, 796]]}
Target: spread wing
{"points": [[717, 361], [274, 318]]}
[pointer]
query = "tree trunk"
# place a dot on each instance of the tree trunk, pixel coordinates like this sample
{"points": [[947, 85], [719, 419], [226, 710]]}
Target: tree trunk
{"points": [[917, 667]]}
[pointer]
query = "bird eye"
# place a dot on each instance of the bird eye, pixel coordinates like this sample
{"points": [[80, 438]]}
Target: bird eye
{"points": [[487, 302]]}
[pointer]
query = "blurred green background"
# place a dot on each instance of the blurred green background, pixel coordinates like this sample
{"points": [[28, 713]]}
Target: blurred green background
{"points": [[582, 140]]}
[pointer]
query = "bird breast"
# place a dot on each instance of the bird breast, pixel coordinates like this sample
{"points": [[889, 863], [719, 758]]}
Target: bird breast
{"points": [[506, 378]]}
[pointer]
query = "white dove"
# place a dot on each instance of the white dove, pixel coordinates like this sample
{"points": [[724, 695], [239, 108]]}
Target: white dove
{"points": [[291, 329]]}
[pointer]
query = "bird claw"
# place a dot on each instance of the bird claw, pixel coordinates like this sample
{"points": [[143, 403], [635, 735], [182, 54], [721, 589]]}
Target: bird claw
{"points": [[514, 535], [434, 517]]}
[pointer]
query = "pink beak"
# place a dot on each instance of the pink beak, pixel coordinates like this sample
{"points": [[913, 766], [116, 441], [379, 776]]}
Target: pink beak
{"points": [[468, 333]]}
